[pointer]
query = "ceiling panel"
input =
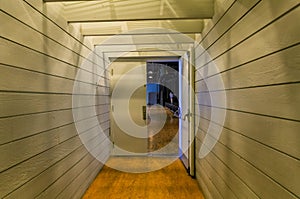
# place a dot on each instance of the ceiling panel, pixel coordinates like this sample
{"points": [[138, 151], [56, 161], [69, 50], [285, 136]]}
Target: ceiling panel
{"points": [[130, 39], [133, 47], [163, 28], [146, 39], [136, 10], [143, 58], [145, 53], [113, 28], [49, 1]]}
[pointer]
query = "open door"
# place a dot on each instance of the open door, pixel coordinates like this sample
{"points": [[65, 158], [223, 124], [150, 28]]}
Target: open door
{"points": [[128, 109], [186, 131]]}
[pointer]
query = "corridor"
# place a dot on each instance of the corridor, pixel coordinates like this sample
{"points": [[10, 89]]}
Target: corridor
{"points": [[74, 99], [171, 181]]}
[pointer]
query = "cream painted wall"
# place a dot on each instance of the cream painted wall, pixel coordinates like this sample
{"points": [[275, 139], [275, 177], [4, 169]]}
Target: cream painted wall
{"points": [[41, 153], [255, 45]]}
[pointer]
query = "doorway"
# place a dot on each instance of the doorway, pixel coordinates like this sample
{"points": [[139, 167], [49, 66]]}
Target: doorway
{"points": [[160, 88], [162, 104]]}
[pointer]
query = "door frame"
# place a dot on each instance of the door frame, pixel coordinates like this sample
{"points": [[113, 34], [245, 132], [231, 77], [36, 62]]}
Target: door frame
{"points": [[189, 162], [192, 132]]}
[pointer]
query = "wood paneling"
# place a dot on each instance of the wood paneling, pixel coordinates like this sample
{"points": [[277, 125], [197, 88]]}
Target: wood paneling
{"points": [[241, 190], [258, 73], [32, 103], [18, 151], [46, 22], [268, 13], [67, 175], [212, 191], [254, 100], [32, 124], [259, 45], [42, 154], [51, 174], [32, 82], [253, 48], [33, 39], [35, 166], [223, 188], [237, 10], [262, 185], [273, 163], [77, 188], [254, 127], [13, 55]]}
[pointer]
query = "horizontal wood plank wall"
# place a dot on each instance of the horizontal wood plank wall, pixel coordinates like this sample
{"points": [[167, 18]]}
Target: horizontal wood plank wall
{"points": [[41, 153], [255, 46]]}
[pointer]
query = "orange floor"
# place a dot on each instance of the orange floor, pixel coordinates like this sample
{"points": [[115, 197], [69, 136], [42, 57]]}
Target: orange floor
{"points": [[169, 182], [168, 179], [168, 135]]}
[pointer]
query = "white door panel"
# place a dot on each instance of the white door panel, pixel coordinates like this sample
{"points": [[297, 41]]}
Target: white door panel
{"points": [[184, 109], [186, 104], [128, 127]]}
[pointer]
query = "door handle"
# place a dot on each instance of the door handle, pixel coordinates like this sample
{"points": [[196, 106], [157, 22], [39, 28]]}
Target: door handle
{"points": [[144, 113], [187, 115]]}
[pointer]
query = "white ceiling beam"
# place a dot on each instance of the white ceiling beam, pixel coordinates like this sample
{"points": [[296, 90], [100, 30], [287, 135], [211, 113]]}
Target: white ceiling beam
{"points": [[128, 48], [135, 34], [68, 0], [144, 53], [144, 58], [163, 26], [131, 39], [145, 50], [143, 39], [142, 44], [138, 10]]}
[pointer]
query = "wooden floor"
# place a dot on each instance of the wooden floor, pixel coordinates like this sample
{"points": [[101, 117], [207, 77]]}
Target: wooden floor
{"points": [[163, 182], [168, 135], [169, 182]]}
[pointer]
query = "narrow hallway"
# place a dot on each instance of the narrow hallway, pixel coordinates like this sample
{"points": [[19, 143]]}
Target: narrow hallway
{"points": [[167, 179], [240, 117]]}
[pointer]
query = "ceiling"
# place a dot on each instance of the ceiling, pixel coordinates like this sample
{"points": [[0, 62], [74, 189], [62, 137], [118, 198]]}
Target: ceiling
{"points": [[139, 28]]}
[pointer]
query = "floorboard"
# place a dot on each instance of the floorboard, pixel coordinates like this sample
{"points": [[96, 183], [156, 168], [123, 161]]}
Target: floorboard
{"points": [[169, 182]]}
